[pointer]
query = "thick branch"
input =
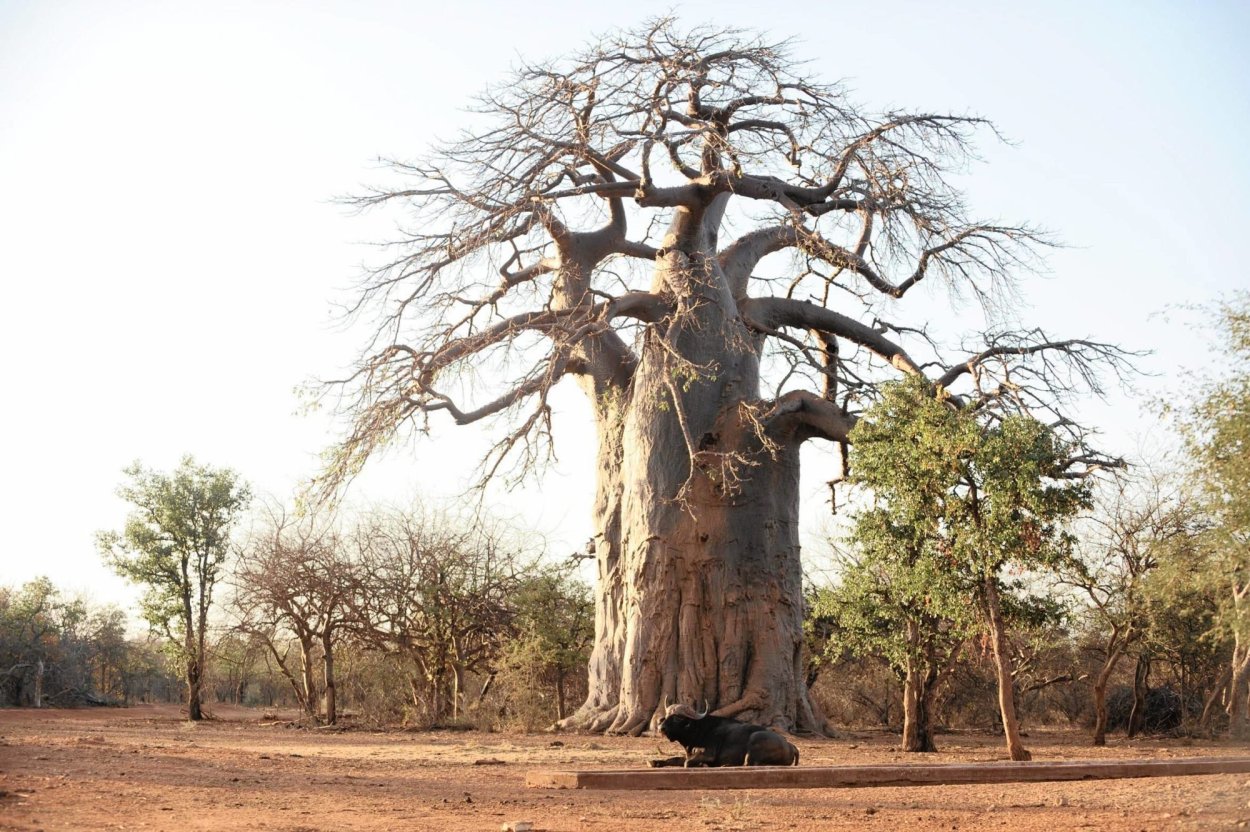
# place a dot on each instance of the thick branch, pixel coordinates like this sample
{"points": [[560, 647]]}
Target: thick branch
{"points": [[820, 416], [775, 313]]}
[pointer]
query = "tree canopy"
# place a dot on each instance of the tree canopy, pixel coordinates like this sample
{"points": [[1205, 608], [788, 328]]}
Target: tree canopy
{"points": [[1217, 429], [710, 245], [957, 498]]}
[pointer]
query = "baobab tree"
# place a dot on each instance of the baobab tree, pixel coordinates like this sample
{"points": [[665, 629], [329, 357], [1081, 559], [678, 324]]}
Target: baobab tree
{"points": [[703, 240]]}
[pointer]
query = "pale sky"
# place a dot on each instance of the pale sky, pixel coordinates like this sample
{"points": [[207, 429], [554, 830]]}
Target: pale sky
{"points": [[170, 251]]}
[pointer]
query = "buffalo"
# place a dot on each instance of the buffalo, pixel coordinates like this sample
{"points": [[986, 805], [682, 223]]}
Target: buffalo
{"points": [[720, 741]]}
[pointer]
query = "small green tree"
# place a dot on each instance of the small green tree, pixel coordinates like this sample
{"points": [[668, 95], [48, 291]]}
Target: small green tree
{"points": [[969, 500], [555, 627], [1183, 608], [896, 602], [175, 543], [34, 622]]}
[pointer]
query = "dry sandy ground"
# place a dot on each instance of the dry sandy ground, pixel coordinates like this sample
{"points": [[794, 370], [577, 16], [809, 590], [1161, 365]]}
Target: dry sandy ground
{"points": [[145, 768]]}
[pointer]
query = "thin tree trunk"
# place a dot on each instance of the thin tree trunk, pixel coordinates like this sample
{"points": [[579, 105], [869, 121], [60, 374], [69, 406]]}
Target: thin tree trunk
{"points": [[286, 674], [307, 677], [457, 688], [917, 698], [1141, 676], [1237, 698], [414, 690], [327, 663], [39, 669], [1215, 697], [1100, 695], [195, 711], [1002, 668], [486, 686]]}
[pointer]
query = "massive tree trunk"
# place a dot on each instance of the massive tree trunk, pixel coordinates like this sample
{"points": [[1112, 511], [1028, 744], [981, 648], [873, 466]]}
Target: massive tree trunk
{"points": [[700, 595]]}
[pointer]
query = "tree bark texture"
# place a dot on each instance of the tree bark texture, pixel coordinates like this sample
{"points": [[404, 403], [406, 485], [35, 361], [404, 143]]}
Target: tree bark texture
{"points": [[327, 664], [700, 584], [1238, 728], [307, 679], [1141, 676], [195, 710], [1100, 694], [919, 691], [920, 682], [1002, 669]]}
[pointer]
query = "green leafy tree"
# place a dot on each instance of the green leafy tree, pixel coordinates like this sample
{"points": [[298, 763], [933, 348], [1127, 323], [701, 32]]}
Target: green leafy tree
{"points": [[554, 625], [896, 602], [1217, 431], [109, 651], [966, 499], [175, 542], [32, 620], [1183, 608]]}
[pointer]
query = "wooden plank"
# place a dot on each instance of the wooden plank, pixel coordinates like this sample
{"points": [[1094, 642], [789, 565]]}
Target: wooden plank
{"points": [[841, 777]]}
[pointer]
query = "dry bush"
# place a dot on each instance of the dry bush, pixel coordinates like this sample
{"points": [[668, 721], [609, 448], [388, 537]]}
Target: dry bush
{"points": [[859, 693]]}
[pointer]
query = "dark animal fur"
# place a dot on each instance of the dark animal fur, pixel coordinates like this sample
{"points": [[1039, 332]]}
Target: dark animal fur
{"points": [[719, 741]]}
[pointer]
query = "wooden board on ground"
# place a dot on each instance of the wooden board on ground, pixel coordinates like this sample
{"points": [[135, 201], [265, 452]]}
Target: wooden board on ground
{"points": [[842, 777]]}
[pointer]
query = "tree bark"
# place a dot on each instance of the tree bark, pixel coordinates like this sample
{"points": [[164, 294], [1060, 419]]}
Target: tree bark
{"points": [[307, 679], [457, 688], [1214, 697], [1100, 695], [1002, 669], [919, 688], [700, 584], [1137, 716], [195, 710], [1237, 696], [918, 695], [327, 664]]}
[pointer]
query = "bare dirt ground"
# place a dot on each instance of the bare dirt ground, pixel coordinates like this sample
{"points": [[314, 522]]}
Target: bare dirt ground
{"points": [[147, 768]]}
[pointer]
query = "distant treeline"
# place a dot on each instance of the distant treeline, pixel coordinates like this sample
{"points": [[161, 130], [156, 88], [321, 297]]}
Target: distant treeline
{"points": [[405, 618]]}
